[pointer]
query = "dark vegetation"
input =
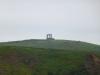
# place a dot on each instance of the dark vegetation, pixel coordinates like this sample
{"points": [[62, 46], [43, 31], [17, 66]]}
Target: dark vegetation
{"points": [[41, 57]]}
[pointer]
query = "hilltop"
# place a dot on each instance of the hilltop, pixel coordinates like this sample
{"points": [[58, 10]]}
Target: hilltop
{"points": [[53, 44]]}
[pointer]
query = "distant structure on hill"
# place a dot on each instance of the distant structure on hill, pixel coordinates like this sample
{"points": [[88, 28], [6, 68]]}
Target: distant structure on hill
{"points": [[49, 37]]}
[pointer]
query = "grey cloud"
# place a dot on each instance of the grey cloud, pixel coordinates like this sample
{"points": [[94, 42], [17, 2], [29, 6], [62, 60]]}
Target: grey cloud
{"points": [[66, 19]]}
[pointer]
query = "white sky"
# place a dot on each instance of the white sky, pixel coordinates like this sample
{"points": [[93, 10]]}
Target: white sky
{"points": [[65, 19]]}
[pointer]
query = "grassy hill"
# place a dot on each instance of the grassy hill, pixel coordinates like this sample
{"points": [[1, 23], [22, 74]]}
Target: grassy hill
{"points": [[45, 57]]}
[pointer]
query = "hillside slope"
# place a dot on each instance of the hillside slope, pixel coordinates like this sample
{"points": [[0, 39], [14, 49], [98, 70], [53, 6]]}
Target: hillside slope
{"points": [[45, 57], [36, 61]]}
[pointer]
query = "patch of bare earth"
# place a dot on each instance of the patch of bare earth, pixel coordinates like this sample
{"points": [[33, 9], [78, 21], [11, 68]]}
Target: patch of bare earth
{"points": [[92, 64]]}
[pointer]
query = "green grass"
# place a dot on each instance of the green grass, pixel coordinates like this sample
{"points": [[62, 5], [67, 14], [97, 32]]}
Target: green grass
{"points": [[44, 61], [45, 57]]}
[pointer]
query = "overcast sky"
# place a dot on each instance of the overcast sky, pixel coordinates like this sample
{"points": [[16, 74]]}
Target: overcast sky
{"points": [[65, 19]]}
